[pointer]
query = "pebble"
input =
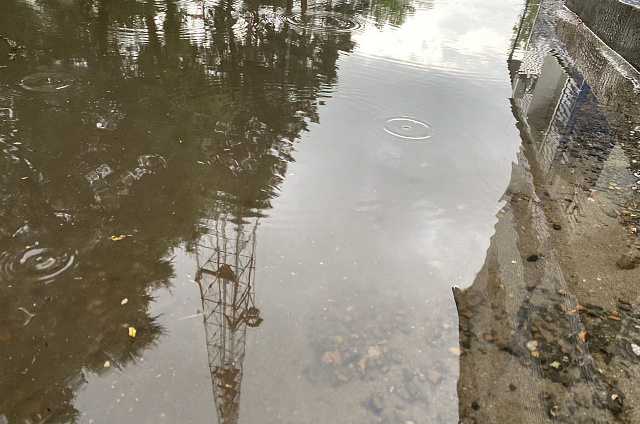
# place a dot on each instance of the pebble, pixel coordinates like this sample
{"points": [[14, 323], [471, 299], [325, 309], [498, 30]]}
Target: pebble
{"points": [[628, 262]]}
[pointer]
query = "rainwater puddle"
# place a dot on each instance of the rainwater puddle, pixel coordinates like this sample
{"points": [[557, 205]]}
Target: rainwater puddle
{"points": [[315, 212]]}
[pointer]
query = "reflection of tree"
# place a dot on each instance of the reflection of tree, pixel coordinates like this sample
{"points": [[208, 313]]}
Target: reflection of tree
{"points": [[174, 118]]}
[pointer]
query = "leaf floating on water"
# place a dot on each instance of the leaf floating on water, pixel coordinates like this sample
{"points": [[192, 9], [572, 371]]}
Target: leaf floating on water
{"points": [[107, 364], [124, 301], [132, 332]]}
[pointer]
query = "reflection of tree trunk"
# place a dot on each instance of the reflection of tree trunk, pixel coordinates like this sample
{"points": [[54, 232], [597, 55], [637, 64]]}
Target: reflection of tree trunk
{"points": [[102, 28], [152, 29], [171, 24], [233, 51]]}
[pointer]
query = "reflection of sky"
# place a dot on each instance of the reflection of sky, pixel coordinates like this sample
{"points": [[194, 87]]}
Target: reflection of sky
{"points": [[362, 217], [440, 35]]}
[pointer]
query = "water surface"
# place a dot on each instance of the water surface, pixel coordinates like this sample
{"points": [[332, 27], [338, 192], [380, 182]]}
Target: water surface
{"points": [[218, 211]]}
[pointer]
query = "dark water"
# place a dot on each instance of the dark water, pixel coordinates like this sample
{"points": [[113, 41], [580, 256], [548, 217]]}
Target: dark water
{"points": [[256, 212]]}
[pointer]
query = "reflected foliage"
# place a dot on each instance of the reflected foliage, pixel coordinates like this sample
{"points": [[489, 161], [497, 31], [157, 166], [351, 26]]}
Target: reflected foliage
{"points": [[124, 126]]}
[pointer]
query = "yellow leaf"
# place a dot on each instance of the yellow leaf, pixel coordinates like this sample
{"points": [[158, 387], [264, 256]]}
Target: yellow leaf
{"points": [[107, 364], [132, 331]]}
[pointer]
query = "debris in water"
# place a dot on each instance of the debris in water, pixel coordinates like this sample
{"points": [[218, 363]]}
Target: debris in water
{"points": [[582, 336], [29, 315], [132, 332], [199, 314], [118, 238], [107, 364], [362, 365], [124, 301]]}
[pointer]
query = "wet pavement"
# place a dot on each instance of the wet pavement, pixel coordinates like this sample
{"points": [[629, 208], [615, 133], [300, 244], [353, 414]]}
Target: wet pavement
{"points": [[313, 212]]}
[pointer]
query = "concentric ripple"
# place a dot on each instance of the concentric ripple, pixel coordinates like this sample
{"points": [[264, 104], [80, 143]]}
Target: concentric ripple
{"points": [[408, 128], [324, 21], [34, 264], [47, 82]]}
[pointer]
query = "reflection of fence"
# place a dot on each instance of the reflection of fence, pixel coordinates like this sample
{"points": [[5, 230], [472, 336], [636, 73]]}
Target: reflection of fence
{"points": [[226, 268]]}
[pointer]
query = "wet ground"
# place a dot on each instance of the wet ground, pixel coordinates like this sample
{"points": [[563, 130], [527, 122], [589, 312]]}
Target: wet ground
{"points": [[316, 212]]}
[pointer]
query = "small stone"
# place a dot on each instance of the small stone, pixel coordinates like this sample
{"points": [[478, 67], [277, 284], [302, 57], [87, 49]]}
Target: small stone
{"points": [[628, 262], [555, 364], [376, 405], [343, 378], [512, 387], [475, 405], [373, 352], [532, 258], [490, 337], [434, 376], [532, 345], [454, 351], [557, 227], [582, 336], [636, 349]]}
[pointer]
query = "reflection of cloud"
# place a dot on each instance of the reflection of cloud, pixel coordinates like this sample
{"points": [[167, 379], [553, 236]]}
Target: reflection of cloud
{"points": [[431, 37]]}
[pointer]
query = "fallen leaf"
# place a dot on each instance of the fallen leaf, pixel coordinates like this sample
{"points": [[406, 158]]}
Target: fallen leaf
{"points": [[107, 364], [118, 238], [124, 301], [132, 331]]}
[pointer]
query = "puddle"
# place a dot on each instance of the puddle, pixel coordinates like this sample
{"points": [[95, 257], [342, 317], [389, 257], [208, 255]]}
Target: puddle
{"points": [[244, 217]]}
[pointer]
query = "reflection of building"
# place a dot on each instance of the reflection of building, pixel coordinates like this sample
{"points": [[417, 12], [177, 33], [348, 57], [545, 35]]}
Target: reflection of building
{"points": [[226, 268], [532, 337]]}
